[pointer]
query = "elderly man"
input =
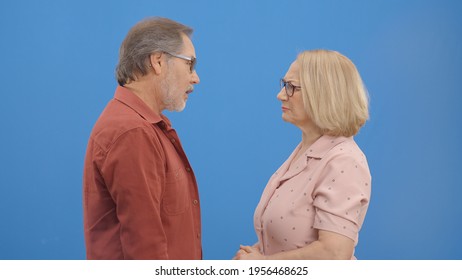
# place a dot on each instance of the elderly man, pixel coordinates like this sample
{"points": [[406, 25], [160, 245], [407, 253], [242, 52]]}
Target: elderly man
{"points": [[140, 194]]}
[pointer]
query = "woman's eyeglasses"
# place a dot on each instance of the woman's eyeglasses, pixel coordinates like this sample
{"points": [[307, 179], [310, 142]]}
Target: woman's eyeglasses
{"points": [[289, 87]]}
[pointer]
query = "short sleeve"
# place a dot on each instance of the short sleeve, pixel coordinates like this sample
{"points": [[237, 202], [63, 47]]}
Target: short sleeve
{"points": [[341, 195]]}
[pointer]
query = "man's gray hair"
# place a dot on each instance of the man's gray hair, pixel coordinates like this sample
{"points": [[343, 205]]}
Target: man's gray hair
{"points": [[146, 37]]}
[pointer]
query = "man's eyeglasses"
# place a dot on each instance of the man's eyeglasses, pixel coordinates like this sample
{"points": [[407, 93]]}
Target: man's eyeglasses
{"points": [[289, 87], [192, 60]]}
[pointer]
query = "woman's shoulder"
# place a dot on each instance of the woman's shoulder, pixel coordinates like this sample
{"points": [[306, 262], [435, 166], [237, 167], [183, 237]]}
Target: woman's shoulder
{"points": [[345, 147]]}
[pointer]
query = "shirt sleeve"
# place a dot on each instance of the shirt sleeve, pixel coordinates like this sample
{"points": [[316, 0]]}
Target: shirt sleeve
{"points": [[341, 196], [134, 174]]}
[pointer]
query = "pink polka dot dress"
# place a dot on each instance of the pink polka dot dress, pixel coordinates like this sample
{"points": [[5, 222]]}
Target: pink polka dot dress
{"points": [[327, 188]]}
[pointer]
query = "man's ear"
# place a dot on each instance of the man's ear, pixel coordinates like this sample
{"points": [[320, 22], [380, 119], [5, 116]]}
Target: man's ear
{"points": [[156, 62]]}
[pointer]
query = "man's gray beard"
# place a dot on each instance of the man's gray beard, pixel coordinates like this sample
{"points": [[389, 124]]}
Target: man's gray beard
{"points": [[169, 100]]}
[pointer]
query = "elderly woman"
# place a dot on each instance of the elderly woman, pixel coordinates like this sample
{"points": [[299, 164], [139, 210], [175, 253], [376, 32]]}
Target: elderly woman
{"points": [[315, 203]]}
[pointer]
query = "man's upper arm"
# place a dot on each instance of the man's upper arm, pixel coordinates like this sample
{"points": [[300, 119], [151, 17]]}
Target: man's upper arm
{"points": [[134, 174]]}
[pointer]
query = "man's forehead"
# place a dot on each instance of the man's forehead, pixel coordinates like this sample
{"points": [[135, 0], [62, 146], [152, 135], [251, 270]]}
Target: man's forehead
{"points": [[188, 46]]}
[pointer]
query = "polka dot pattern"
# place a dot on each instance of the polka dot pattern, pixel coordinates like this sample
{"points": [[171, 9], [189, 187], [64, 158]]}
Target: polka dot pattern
{"points": [[328, 189]]}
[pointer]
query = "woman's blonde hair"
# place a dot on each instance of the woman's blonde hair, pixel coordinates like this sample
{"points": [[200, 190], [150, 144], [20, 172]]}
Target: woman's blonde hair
{"points": [[333, 92]]}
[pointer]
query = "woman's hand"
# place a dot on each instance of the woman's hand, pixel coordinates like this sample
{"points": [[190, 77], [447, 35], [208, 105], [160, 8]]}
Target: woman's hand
{"points": [[248, 253]]}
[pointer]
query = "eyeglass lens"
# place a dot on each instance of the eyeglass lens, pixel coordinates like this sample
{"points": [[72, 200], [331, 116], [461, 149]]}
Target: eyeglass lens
{"points": [[288, 87]]}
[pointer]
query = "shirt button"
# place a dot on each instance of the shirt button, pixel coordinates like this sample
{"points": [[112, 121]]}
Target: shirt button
{"points": [[188, 169], [195, 201], [198, 235], [173, 140]]}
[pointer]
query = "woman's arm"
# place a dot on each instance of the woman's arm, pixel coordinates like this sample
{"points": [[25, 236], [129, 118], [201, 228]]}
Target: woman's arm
{"points": [[329, 246]]}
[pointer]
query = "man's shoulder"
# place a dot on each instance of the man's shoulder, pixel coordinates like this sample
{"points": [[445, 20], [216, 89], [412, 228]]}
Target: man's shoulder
{"points": [[116, 121]]}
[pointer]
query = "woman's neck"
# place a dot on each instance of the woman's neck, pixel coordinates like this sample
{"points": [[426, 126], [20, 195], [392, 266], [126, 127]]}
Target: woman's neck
{"points": [[309, 135]]}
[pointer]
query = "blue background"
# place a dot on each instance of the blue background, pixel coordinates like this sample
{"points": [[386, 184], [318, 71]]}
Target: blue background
{"points": [[57, 71]]}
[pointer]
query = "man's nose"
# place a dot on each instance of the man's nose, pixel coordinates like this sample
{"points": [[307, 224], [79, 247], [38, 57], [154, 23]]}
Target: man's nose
{"points": [[195, 78]]}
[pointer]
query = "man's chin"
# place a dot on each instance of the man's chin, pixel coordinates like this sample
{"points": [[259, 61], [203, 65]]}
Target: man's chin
{"points": [[178, 108]]}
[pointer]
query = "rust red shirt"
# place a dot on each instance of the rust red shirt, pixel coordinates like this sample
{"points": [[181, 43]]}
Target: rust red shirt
{"points": [[140, 195]]}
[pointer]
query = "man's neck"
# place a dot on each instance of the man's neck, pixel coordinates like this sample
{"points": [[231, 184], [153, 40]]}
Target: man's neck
{"points": [[144, 89]]}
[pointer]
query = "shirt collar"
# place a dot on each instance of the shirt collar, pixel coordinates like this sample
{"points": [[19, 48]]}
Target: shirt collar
{"points": [[323, 145], [130, 99]]}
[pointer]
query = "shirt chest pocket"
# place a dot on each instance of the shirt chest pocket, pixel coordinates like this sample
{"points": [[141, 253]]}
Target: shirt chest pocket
{"points": [[176, 193]]}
